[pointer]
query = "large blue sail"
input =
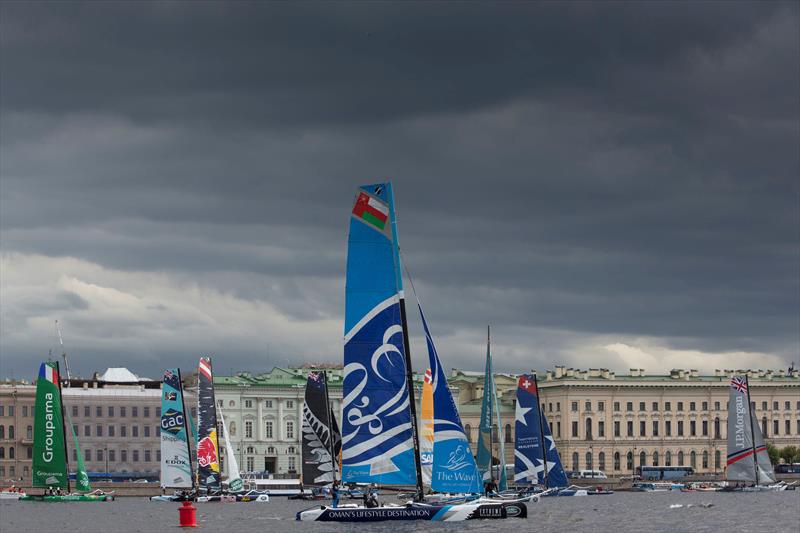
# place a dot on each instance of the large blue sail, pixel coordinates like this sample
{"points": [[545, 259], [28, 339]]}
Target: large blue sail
{"points": [[454, 468], [533, 444], [377, 439]]}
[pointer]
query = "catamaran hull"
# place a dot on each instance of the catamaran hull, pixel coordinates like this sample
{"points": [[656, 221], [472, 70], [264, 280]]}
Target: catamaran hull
{"points": [[443, 513], [68, 498], [234, 498]]}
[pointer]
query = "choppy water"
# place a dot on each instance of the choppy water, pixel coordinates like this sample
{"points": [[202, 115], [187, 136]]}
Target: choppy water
{"points": [[620, 513]]}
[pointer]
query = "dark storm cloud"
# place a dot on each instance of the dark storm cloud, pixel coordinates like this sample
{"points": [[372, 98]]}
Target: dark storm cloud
{"points": [[594, 168]]}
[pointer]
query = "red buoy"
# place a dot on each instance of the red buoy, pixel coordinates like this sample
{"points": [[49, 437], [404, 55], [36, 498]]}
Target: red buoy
{"points": [[187, 515]]}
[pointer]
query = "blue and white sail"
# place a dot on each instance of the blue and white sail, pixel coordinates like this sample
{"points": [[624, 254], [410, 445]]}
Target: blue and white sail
{"points": [[377, 439], [454, 468], [533, 444]]}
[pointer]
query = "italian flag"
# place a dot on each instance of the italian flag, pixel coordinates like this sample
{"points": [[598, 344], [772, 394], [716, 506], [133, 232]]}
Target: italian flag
{"points": [[372, 211]]}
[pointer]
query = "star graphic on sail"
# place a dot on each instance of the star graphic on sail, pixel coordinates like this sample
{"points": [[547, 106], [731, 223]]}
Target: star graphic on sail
{"points": [[552, 442], [520, 414]]}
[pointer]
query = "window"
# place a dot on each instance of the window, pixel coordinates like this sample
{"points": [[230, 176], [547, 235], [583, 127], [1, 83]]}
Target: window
{"points": [[268, 404], [123, 456], [642, 428], [655, 407], [680, 428], [74, 411], [629, 460], [642, 459], [589, 460], [629, 407], [668, 406], [290, 404], [248, 404], [680, 406], [146, 431], [158, 412], [87, 454], [601, 461], [588, 429], [110, 411], [574, 407], [123, 411], [2, 410], [29, 452], [575, 460], [289, 429], [123, 431], [135, 456], [601, 406], [692, 428], [668, 459], [111, 431], [787, 427], [248, 429], [716, 406], [158, 456], [249, 461], [87, 411], [616, 407], [705, 428], [763, 406], [616, 461], [147, 456], [774, 406], [99, 454], [775, 428], [642, 407], [587, 406], [10, 430], [134, 431], [112, 455], [716, 428], [680, 458], [763, 426], [550, 406], [655, 458], [692, 406], [98, 431], [146, 412], [271, 450], [705, 406], [787, 405], [29, 432], [2, 432], [98, 411], [292, 464], [655, 428], [693, 459], [268, 429], [616, 428], [558, 406], [797, 428], [574, 429], [2, 452], [10, 410], [558, 430], [291, 449], [219, 403], [601, 429], [508, 436], [135, 412], [705, 459], [87, 430], [158, 431], [630, 428]]}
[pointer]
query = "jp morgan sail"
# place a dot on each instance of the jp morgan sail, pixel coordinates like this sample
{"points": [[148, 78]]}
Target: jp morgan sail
{"points": [[536, 459], [377, 435], [49, 445], [322, 441], [453, 468], [208, 472], [176, 463], [747, 454]]}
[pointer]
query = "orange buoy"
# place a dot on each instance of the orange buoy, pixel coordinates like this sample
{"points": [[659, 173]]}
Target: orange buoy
{"points": [[187, 515]]}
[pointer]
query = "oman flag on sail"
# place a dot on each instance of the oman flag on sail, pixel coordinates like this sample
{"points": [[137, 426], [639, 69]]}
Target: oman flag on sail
{"points": [[371, 211]]}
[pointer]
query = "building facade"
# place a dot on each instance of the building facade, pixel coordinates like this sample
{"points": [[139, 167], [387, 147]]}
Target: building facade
{"points": [[601, 420]]}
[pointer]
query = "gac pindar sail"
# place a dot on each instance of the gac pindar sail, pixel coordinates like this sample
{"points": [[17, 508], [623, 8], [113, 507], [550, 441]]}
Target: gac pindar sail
{"points": [[49, 445], [533, 444], [322, 441], [454, 468], [207, 444], [377, 435], [176, 464], [747, 454]]}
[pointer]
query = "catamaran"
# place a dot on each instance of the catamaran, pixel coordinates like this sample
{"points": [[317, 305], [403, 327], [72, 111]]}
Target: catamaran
{"points": [[50, 465], [748, 460], [176, 451], [379, 428]]}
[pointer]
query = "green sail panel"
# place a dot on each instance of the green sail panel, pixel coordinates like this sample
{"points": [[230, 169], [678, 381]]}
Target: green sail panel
{"points": [[49, 446], [81, 475]]}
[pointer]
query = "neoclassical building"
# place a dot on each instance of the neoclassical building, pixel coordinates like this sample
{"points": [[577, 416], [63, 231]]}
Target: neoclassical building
{"points": [[614, 423]]}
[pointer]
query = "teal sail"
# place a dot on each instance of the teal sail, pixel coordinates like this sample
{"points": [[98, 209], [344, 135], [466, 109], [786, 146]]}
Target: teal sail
{"points": [[454, 468], [484, 458], [502, 483], [378, 437]]}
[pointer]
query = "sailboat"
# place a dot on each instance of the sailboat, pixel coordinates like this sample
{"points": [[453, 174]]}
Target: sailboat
{"points": [[176, 452], [50, 464], [748, 460], [322, 440], [490, 409], [379, 428]]}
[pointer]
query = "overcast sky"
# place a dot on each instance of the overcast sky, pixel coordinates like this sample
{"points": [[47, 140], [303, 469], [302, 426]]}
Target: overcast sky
{"points": [[607, 184]]}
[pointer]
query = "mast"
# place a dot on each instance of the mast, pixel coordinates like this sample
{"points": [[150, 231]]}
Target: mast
{"points": [[752, 431], [490, 381], [63, 419], [63, 351], [411, 401], [330, 428], [543, 441]]}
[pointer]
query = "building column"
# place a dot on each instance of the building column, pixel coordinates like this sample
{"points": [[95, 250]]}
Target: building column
{"points": [[260, 420]]}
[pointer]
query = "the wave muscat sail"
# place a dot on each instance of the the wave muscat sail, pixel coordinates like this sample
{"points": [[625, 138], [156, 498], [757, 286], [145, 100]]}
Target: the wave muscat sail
{"points": [[426, 428], [49, 446], [321, 436], [176, 465], [747, 454], [207, 443], [533, 444], [235, 483], [454, 468], [377, 435]]}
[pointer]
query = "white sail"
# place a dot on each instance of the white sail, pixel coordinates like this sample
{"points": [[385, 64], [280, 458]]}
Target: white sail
{"points": [[231, 466], [766, 474]]}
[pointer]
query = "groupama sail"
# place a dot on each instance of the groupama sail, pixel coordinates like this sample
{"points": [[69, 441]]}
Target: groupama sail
{"points": [[176, 463], [536, 459], [322, 441], [208, 474], [748, 459], [49, 443], [81, 475], [379, 441], [454, 468]]}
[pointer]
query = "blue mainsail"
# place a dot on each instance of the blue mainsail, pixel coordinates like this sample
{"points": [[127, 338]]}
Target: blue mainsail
{"points": [[454, 468], [533, 444], [377, 440]]}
